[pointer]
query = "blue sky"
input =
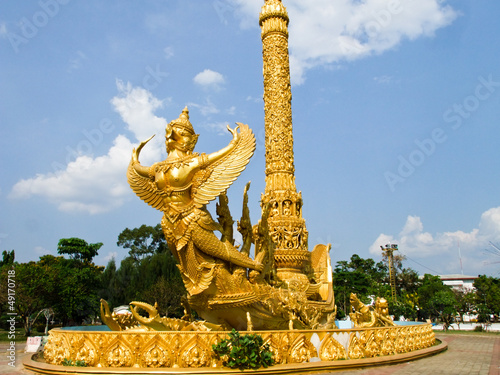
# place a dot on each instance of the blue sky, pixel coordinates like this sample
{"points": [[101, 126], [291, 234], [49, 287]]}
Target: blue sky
{"points": [[395, 114]]}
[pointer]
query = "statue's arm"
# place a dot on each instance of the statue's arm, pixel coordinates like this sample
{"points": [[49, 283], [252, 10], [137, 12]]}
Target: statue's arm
{"points": [[213, 157], [142, 170]]}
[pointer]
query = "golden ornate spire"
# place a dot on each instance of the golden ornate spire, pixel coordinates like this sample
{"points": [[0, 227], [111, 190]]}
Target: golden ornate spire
{"points": [[286, 225]]}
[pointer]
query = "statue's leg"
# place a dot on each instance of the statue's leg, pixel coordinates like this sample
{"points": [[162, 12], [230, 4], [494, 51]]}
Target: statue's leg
{"points": [[167, 229], [207, 242]]}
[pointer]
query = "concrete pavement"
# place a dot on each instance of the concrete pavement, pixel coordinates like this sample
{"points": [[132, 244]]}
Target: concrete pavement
{"points": [[466, 355]]}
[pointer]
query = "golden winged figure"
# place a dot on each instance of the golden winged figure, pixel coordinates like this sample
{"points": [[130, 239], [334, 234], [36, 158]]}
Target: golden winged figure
{"points": [[181, 186]]}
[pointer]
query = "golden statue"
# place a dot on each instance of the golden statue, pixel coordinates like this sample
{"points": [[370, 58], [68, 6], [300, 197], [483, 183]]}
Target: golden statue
{"points": [[225, 286], [366, 316], [181, 186]]}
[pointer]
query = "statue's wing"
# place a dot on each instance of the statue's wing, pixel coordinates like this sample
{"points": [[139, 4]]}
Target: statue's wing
{"points": [[145, 188], [215, 179]]}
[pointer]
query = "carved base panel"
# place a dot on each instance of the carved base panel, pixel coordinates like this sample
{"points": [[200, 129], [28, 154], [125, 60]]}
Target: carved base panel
{"points": [[194, 349]]}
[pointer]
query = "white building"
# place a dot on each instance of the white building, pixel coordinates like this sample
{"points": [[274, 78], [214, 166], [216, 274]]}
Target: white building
{"points": [[459, 281]]}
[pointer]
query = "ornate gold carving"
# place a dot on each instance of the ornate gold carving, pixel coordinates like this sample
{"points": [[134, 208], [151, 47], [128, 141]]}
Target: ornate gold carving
{"points": [[302, 350], [193, 349], [156, 357], [355, 348], [57, 349], [118, 354], [331, 349], [287, 228], [369, 316], [369, 344], [195, 352]]}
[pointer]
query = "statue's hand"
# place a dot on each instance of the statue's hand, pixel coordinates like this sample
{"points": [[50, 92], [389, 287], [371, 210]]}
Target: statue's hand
{"points": [[136, 152], [234, 132], [259, 266], [258, 261]]}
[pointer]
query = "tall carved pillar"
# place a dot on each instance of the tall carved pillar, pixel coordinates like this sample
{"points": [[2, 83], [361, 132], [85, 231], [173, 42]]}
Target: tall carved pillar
{"points": [[286, 226]]}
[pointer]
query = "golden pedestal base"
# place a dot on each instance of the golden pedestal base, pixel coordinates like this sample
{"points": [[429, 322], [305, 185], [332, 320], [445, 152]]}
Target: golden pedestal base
{"points": [[191, 352]]}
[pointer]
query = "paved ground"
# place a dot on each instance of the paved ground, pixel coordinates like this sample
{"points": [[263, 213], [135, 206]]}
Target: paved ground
{"points": [[466, 355]]}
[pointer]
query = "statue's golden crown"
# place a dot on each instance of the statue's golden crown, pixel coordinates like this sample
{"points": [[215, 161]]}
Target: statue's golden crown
{"points": [[183, 121]]}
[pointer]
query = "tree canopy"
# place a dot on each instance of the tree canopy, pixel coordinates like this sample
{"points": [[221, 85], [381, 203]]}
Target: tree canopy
{"points": [[68, 286], [143, 241], [78, 249], [487, 296], [361, 276], [148, 274]]}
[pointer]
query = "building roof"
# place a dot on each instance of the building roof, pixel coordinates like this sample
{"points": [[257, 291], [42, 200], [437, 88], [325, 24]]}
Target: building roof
{"points": [[457, 276]]}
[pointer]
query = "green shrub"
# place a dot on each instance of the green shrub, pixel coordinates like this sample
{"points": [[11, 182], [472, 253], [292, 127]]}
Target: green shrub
{"points": [[69, 362], [243, 352], [478, 329]]}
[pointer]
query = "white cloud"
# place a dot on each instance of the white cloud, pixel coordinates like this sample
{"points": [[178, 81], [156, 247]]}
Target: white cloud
{"points": [[209, 78], [136, 107], [385, 79], [414, 242], [324, 32], [220, 128], [76, 62], [490, 224], [168, 52], [111, 255], [97, 184], [254, 99], [92, 185], [3, 30], [206, 109]]}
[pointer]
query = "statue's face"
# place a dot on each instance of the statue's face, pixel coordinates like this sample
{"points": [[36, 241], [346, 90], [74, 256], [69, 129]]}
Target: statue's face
{"points": [[177, 136], [181, 135]]}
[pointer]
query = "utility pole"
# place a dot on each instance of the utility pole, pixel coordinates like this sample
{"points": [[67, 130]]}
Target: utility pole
{"points": [[389, 250]]}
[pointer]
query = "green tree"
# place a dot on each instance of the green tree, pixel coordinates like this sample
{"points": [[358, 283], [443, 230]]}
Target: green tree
{"points": [[465, 302], [143, 241], [72, 287], [7, 258], [361, 276], [487, 296], [148, 274], [126, 284], [168, 296], [78, 249], [108, 283], [6, 264], [31, 290], [436, 300], [407, 284]]}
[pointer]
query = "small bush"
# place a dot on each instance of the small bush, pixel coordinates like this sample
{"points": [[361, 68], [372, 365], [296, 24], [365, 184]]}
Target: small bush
{"points": [[478, 329], [69, 362], [243, 352]]}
